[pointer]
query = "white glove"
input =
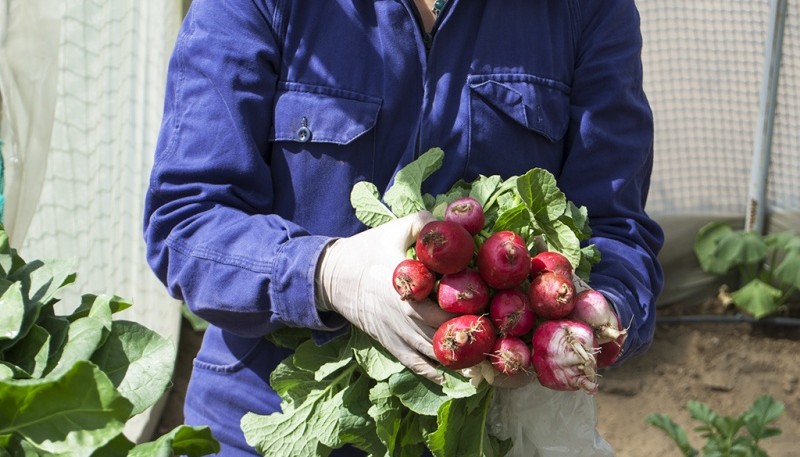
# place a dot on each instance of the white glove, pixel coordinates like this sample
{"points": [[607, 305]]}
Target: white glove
{"points": [[355, 278]]}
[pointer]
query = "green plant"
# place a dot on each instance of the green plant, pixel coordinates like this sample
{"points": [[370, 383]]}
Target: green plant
{"points": [[768, 266], [726, 436], [70, 382]]}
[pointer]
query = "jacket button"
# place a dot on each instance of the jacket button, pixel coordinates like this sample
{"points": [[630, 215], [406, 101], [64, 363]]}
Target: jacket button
{"points": [[304, 133]]}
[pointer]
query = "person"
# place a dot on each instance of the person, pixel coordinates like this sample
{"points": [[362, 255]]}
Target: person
{"points": [[275, 109]]}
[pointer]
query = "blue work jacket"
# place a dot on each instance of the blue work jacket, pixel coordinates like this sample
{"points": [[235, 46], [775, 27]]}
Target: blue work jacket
{"points": [[275, 108]]}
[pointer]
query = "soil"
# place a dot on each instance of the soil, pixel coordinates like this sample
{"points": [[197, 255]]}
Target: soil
{"points": [[725, 365]]}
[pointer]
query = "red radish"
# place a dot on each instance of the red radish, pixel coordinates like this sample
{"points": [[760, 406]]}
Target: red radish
{"points": [[551, 261], [503, 260], [463, 292], [412, 280], [564, 355], [511, 312], [467, 212], [463, 341], [444, 247], [609, 352], [511, 356], [592, 308], [552, 296]]}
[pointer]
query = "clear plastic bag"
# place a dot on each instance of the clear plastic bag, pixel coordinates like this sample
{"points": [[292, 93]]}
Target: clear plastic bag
{"points": [[543, 422]]}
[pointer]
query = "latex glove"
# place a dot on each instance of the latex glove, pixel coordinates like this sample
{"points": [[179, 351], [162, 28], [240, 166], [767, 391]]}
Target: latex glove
{"points": [[355, 278], [580, 284]]}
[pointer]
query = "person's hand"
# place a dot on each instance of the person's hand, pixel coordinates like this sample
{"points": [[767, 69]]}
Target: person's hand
{"points": [[355, 277]]}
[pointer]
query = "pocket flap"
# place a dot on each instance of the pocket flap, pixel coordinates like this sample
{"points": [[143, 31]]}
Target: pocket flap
{"points": [[539, 106], [322, 115]]}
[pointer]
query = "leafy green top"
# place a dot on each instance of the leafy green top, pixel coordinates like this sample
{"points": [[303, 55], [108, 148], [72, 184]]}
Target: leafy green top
{"points": [[351, 391]]}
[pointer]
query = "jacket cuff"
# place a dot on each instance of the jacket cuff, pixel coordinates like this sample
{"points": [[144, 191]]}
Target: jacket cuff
{"points": [[293, 289], [637, 318]]}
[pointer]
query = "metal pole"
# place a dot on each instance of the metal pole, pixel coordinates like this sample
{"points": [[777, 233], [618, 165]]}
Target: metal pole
{"points": [[756, 207]]}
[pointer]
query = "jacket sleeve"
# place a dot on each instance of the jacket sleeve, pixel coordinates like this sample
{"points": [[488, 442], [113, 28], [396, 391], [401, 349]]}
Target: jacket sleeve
{"points": [[211, 235], [609, 163]]}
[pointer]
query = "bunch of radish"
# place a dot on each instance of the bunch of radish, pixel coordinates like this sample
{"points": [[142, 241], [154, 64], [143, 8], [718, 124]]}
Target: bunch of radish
{"points": [[518, 310]]}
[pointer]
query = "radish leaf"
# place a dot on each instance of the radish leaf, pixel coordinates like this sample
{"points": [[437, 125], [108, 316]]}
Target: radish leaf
{"points": [[369, 209], [404, 197]]}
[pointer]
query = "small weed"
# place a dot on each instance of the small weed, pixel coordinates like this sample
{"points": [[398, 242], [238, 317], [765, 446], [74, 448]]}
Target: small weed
{"points": [[726, 436]]}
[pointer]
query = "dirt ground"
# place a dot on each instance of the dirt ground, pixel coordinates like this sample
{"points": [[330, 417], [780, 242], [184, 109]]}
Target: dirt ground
{"points": [[724, 365]]}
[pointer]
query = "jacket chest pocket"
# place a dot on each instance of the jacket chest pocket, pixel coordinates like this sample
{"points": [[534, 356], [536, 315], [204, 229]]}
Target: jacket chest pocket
{"points": [[324, 120], [517, 122]]}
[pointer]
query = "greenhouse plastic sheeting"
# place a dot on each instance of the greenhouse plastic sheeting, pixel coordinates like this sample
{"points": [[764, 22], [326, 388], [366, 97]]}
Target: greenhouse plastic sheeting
{"points": [[29, 36], [83, 90]]}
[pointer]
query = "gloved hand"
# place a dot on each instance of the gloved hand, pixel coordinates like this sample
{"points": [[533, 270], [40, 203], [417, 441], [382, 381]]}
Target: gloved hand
{"points": [[355, 280]]}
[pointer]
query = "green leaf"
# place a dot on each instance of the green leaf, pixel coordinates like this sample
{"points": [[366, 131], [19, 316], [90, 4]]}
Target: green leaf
{"points": [[763, 412], [138, 361], [291, 383], [15, 446], [58, 329], [590, 255], [782, 241], [30, 354], [788, 270], [757, 298], [515, 219], [674, 431], [541, 195], [197, 323], [9, 260], [355, 424], [417, 393], [705, 245], [289, 337], [368, 206], [462, 429], [373, 358], [301, 426], [322, 360], [12, 308], [6, 372], [559, 237], [41, 280], [405, 195], [99, 305], [456, 385], [438, 205], [387, 412], [577, 218], [182, 440], [85, 335], [484, 187], [74, 414], [119, 446], [741, 248]]}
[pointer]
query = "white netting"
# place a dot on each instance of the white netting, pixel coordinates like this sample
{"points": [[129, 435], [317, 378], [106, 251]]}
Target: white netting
{"points": [[109, 98], [703, 63]]}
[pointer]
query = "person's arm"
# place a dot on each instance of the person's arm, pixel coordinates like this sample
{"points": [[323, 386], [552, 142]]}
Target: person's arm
{"points": [[609, 163], [210, 233]]}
